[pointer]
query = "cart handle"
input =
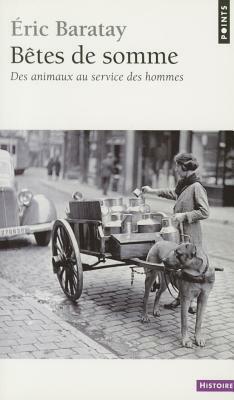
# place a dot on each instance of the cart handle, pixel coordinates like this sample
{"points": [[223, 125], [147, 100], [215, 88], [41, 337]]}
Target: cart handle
{"points": [[84, 221], [182, 234], [145, 264]]}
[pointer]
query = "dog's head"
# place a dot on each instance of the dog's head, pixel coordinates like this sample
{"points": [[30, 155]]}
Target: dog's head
{"points": [[181, 256]]}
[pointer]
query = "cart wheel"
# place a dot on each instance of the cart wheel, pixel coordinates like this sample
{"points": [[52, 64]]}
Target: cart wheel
{"points": [[66, 259]]}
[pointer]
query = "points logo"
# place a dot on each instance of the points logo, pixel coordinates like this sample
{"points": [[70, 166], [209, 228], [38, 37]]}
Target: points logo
{"points": [[224, 21]]}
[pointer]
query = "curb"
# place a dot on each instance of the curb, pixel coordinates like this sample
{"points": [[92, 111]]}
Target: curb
{"points": [[104, 353]]}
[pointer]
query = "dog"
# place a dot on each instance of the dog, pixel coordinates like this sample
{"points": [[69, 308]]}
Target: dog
{"points": [[190, 273]]}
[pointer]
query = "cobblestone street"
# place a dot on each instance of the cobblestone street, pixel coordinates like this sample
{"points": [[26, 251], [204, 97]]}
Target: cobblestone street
{"points": [[105, 322]]}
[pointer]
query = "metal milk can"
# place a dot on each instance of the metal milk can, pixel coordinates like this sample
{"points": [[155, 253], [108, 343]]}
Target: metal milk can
{"points": [[113, 225], [149, 223], [137, 207], [126, 226], [116, 205], [169, 231]]}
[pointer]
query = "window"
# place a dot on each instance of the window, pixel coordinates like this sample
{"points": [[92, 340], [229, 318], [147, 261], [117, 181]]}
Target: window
{"points": [[4, 146]]}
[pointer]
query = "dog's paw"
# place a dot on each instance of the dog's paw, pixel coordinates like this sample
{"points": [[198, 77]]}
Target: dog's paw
{"points": [[145, 318], [156, 313], [186, 342], [200, 341]]}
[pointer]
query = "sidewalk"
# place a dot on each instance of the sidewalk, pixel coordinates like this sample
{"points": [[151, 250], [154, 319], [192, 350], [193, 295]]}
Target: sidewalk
{"points": [[224, 215], [29, 330]]}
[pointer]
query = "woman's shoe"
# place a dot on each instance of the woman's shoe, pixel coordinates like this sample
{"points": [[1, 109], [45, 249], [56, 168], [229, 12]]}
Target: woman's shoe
{"points": [[192, 309]]}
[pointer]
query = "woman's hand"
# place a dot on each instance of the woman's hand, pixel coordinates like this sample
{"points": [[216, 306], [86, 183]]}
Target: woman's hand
{"points": [[146, 189], [179, 217]]}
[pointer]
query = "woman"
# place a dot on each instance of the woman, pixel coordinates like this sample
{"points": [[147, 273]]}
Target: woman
{"points": [[191, 204]]}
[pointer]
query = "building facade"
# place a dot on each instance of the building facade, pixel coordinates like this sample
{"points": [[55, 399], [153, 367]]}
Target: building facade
{"points": [[147, 158], [141, 157], [215, 153], [43, 145]]}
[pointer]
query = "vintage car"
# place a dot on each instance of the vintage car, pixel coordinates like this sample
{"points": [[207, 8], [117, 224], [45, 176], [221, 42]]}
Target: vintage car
{"points": [[22, 213]]}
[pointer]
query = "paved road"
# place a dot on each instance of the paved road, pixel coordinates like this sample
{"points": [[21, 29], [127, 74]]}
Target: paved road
{"points": [[110, 307]]}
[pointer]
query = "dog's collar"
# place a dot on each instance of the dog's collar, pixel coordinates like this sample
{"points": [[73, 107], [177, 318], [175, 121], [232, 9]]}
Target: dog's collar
{"points": [[202, 278], [185, 276]]}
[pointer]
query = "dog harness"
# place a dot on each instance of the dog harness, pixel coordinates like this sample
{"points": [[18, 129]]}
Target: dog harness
{"points": [[185, 276], [202, 278]]}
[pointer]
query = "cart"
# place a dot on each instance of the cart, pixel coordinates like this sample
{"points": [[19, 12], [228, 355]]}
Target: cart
{"points": [[80, 234]]}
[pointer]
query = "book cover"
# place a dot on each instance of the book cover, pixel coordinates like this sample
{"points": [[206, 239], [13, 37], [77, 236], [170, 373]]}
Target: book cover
{"points": [[83, 83]]}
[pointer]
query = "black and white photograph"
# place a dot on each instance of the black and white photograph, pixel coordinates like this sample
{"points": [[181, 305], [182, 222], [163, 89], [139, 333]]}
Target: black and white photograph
{"points": [[116, 244]]}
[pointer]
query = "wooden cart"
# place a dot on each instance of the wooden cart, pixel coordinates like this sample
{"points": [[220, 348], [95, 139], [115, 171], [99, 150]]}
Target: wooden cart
{"points": [[82, 233]]}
